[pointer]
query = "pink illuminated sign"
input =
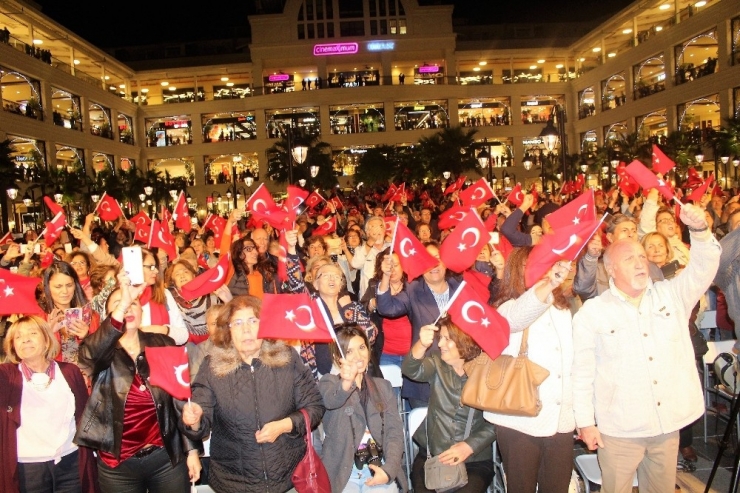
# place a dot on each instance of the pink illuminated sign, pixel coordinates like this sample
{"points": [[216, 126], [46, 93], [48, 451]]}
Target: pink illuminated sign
{"points": [[428, 69], [335, 49], [279, 77]]}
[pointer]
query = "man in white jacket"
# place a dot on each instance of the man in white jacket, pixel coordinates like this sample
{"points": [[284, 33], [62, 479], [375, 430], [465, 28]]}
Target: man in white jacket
{"points": [[635, 382]]}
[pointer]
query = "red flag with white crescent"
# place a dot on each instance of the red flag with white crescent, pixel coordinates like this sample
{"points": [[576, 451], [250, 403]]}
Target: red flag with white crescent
{"points": [[108, 208], [661, 163], [169, 370], [6, 239], [291, 317], [516, 196], [328, 227], [460, 249], [314, 199], [161, 237], [54, 228], [452, 216], [208, 281], [18, 294], [648, 180], [476, 194], [413, 257], [581, 209], [181, 214], [697, 194], [54, 208]]}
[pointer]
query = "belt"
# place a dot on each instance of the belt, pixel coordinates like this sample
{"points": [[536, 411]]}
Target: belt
{"points": [[146, 451]]}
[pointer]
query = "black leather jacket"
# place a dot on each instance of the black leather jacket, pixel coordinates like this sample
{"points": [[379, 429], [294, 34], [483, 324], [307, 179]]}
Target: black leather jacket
{"points": [[112, 371]]}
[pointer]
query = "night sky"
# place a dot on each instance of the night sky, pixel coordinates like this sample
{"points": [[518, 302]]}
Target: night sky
{"points": [[137, 22]]}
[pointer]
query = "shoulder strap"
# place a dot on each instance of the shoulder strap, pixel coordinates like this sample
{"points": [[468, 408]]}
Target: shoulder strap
{"points": [[469, 424], [524, 348]]}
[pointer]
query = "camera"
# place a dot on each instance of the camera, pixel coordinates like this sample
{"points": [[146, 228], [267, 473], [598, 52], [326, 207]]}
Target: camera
{"points": [[368, 453]]}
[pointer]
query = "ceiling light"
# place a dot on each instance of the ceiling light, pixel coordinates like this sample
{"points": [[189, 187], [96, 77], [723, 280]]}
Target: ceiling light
{"points": [[540, 61], [626, 31], [107, 77], [122, 86], [482, 63], [611, 55], [596, 50], [476, 69], [145, 90], [700, 3], [112, 88], [224, 79], [76, 62], [38, 41], [665, 6], [532, 67], [173, 88], [581, 59], [559, 65], [165, 83], [229, 84], [658, 28]]}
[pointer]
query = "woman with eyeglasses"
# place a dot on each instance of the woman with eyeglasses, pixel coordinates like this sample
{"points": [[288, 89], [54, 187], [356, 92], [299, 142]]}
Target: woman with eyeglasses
{"points": [[132, 424], [193, 311], [63, 292], [539, 450], [83, 264], [248, 395], [254, 274], [160, 312]]}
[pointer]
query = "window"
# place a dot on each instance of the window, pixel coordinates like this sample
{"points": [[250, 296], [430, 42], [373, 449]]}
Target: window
{"points": [[696, 57], [649, 77], [351, 28]]}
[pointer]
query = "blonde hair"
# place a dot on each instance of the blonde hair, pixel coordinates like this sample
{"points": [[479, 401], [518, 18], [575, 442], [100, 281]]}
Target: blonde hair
{"points": [[30, 321]]}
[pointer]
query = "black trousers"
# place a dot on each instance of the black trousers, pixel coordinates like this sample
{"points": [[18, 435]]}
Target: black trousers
{"points": [[153, 473], [480, 475], [529, 461], [47, 477]]}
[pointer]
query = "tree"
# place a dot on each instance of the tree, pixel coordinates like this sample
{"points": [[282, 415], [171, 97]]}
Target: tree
{"points": [[631, 147], [450, 149], [10, 175], [319, 154]]}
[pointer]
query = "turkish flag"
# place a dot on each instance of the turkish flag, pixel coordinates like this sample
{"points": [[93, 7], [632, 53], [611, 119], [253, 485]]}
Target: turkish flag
{"points": [[479, 320], [456, 185], [291, 317], [141, 233], [181, 214], [54, 208], [413, 257], [476, 194], [626, 183], [462, 246], [142, 218], [697, 194], [450, 217], [108, 208], [314, 199], [516, 196], [54, 228], [563, 244], [400, 193], [208, 281], [647, 179], [217, 224], [329, 226], [479, 282], [282, 268], [296, 196], [161, 237], [337, 203], [661, 163], [694, 178], [7, 239], [169, 370], [580, 182], [390, 224], [261, 200], [580, 209], [165, 215], [18, 294], [390, 193]]}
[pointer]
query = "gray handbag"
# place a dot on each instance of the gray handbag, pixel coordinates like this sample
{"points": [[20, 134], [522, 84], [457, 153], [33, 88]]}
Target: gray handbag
{"points": [[445, 478]]}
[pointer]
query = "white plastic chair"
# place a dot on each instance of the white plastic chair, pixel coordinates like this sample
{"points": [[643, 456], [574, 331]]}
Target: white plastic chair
{"points": [[204, 488], [587, 466], [413, 421], [708, 322], [499, 476], [715, 349], [393, 374]]}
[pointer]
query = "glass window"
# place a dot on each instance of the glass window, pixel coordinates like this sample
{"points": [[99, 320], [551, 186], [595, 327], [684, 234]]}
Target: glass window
{"points": [[586, 106], [615, 131], [355, 78], [168, 131], [613, 91], [736, 97], [307, 119], [102, 161], [350, 9], [127, 164], [501, 150], [429, 73], [70, 159], [522, 75], [224, 127], [346, 159], [654, 126], [351, 28], [415, 115], [538, 109], [175, 94], [735, 40], [475, 77], [30, 154], [696, 57], [232, 91], [25, 98], [125, 129], [179, 170], [357, 118], [700, 117], [99, 120], [219, 168], [649, 77], [588, 140], [66, 109], [480, 112]]}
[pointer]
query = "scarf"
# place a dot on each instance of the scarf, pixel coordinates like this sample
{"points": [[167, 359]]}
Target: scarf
{"points": [[157, 311]]}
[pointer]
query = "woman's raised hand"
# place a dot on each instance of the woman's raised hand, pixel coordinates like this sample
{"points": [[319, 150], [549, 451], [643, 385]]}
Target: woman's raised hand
{"points": [[426, 335], [348, 373], [191, 414]]}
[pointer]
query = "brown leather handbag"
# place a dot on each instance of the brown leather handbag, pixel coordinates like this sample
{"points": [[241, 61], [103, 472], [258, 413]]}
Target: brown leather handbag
{"points": [[505, 385]]}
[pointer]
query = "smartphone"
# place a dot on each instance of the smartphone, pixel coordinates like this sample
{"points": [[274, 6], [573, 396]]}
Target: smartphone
{"points": [[37, 248], [70, 315], [87, 314], [494, 238], [68, 247], [133, 264], [23, 247], [334, 245]]}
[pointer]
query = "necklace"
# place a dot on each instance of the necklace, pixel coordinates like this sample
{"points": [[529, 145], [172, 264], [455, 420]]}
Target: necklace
{"points": [[39, 381]]}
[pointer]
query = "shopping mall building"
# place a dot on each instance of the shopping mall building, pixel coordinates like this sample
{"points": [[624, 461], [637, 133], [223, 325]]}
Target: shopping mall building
{"points": [[360, 74]]}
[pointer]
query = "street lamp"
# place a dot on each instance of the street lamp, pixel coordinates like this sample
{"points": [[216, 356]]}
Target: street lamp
{"points": [[552, 136], [302, 182], [527, 162], [484, 159], [148, 190], [12, 195], [297, 150], [95, 196], [58, 196]]}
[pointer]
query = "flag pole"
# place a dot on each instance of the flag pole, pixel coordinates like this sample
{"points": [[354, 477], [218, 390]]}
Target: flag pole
{"points": [[393, 239], [449, 303], [329, 325], [603, 218], [100, 201]]}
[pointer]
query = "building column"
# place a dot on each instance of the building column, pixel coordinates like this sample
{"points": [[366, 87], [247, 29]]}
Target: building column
{"points": [[669, 59], [257, 85]]}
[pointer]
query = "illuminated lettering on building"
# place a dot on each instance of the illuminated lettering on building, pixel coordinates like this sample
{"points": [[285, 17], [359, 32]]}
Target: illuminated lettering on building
{"points": [[381, 45], [278, 77], [428, 69], [335, 49]]}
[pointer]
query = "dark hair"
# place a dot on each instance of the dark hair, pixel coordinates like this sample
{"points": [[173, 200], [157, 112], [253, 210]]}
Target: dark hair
{"points": [[345, 333], [315, 239], [91, 264], [379, 272], [79, 299], [171, 268], [513, 284], [222, 337], [158, 295], [263, 266], [466, 346], [97, 276]]}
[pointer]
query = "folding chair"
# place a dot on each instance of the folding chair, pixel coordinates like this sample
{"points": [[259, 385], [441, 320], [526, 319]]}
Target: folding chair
{"points": [[709, 323], [499, 476], [588, 468], [413, 421], [204, 488], [715, 348], [392, 373]]}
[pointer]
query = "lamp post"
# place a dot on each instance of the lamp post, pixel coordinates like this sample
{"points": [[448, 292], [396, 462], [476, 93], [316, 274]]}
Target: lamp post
{"points": [[736, 163], [725, 160], [552, 135], [12, 195], [296, 150], [234, 162], [484, 159]]}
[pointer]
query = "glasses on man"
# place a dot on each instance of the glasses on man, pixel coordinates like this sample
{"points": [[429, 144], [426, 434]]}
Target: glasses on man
{"points": [[243, 323], [249, 248], [150, 267], [667, 220]]}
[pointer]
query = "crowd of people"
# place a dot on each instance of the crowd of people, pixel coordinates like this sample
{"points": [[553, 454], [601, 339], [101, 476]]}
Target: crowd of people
{"points": [[610, 325]]}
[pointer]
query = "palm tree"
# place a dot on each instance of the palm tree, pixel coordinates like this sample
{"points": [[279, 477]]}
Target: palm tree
{"points": [[319, 154], [450, 149], [10, 175]]}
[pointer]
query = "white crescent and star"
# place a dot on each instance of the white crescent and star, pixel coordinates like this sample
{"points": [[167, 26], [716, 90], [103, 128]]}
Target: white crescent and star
{"points": [[290, 315], [401, 248], [105, 207], [179, 372], [466, 316], [571, 241], [475, 194], [518, 196], [458, 216], [220, 276], [259, 201], [161, 238], [464, 246]]}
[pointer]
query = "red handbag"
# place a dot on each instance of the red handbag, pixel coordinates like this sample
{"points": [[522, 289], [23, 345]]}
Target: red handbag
{"points": [[310, 475]]}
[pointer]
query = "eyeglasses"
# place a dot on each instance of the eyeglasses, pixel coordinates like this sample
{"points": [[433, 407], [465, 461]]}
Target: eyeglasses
{"points": [[151, 267], [76, 263], [249, 248], [330, 276], [667, 220], [242, 324]]}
